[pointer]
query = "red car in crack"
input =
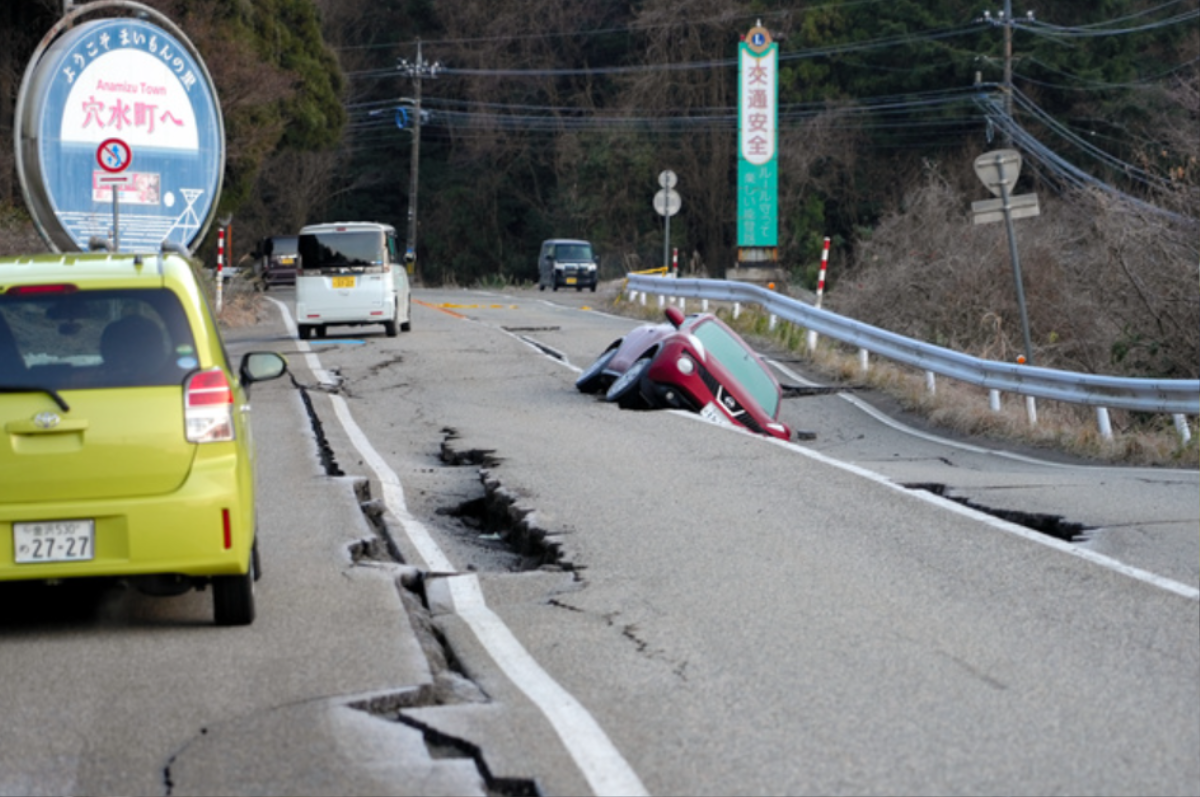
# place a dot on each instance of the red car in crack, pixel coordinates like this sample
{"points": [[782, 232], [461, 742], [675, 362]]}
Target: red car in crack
{"points": [[694, 363]]}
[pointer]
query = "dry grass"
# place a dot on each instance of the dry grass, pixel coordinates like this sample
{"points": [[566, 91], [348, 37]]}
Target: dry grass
{"points": [[1138, 439], [241, 303]]}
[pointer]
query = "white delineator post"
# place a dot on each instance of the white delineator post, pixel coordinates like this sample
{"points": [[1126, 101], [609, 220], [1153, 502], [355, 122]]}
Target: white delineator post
{"points": [[812, 336]]}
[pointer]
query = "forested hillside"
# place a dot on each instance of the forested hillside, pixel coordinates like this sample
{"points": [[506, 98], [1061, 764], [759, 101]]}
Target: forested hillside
{"points": [[554, 117]]}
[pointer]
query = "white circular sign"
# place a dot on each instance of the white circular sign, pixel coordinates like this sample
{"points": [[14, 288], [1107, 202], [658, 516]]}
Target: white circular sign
{"points": [[667, 202], [667, 179]]}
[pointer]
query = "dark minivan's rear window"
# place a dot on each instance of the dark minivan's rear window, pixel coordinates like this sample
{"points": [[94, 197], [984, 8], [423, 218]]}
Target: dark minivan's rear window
{"points": [[285, 246], [94, 339]]}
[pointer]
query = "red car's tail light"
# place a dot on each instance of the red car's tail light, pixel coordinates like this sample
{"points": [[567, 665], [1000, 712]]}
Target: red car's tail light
{"points": [[208, 407]]}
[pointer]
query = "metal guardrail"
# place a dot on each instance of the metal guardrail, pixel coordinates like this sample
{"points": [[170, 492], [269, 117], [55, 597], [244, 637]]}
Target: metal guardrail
{"points": [[1174, 396]]}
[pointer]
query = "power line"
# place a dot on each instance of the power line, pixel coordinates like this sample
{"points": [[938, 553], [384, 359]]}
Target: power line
{"points": [[710, 64], [1094, 31]]}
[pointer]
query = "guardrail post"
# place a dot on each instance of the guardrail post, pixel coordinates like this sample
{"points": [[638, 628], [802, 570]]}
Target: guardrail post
{"points": [[812, 341], [1104, 423], [643, 298], [682, 304], [930, 383], [704, 305], [662, 301], [1031, 410], [771, 323], [1181, 426], [737, 310], [994, 400], [862, 360]]}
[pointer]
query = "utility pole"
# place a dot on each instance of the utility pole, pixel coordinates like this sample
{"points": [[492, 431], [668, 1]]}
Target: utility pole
{"points": [[1008, 85], [1008, 22], [417, 70]]}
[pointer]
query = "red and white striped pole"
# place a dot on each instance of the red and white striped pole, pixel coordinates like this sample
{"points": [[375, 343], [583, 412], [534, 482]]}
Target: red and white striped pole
{"points": [[812, 335], [674, 262], [821, 277], [220, 263]]}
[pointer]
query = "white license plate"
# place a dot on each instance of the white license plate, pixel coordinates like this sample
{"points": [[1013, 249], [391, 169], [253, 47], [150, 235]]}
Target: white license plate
{"points": [[711, 412], [54, 541]]}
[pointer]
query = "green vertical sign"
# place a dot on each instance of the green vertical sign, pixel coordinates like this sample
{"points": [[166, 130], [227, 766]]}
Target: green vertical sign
{"points": [[758, 138]]}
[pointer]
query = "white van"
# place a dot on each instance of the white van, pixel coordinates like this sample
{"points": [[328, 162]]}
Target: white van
{"points": [[350, 273]]}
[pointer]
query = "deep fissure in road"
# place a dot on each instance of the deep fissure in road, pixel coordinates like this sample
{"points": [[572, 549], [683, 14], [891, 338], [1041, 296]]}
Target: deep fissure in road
{"points": [[1051, 525], [324, 450], [494, 512], [493, 517]]}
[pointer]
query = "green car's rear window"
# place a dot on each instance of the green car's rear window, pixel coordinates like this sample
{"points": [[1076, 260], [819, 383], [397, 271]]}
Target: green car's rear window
{"points": [[94, 339]]}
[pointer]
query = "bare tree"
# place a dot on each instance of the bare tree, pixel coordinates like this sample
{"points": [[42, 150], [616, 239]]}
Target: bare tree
{"points": [[693, 31]]}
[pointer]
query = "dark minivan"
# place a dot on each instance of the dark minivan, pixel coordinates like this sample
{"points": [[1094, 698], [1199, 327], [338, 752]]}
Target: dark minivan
{"points": [[567, 262], [278, 260]]}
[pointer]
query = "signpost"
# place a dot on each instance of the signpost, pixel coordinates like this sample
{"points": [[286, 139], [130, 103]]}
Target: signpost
{"points": [[758, 158], [96, 90], [114, 157], [999, 170], [667, 203]]}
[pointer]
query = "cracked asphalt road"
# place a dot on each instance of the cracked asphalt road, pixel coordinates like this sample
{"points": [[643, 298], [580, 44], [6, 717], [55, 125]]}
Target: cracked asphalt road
{"points": [[737, 616], [742, 618]]}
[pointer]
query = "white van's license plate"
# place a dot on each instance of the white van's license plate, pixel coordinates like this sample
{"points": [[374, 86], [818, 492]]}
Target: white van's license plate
{"points": [[343, 282], [54, 541]]}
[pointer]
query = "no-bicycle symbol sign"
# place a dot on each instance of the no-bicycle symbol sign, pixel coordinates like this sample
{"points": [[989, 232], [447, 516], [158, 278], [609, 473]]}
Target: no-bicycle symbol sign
{"points": [[114, 155]]}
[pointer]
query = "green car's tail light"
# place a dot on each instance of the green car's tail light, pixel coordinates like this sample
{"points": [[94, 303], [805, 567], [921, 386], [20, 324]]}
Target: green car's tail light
{"points": [[208, 407]]}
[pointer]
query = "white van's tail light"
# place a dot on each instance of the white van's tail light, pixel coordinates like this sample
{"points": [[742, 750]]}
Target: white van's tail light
{"points": [[208, 407]]}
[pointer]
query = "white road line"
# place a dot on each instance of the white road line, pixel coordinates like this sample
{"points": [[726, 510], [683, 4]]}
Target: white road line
{"points": [[1154, 579], [310, 358], [944, 441], [602, 765]]}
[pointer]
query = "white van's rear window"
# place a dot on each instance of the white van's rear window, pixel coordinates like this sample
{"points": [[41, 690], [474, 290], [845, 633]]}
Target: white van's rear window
{"points": [[347, 249]]}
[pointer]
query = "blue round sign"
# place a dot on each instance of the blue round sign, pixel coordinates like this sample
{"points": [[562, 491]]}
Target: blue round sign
{"points": [[131, 82]]}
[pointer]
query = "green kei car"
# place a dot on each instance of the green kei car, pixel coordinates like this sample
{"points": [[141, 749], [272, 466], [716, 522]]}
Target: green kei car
{"points": [[126, 449]]}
